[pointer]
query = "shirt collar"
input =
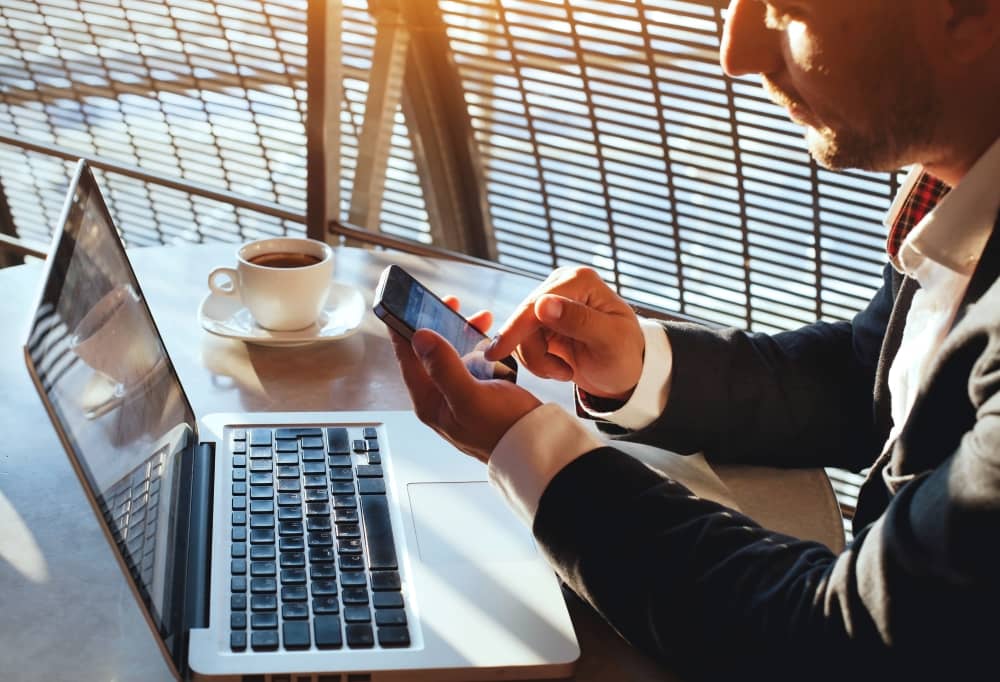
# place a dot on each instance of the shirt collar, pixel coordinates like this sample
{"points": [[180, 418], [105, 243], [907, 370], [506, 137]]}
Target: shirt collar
{"points": [[929, 222]]}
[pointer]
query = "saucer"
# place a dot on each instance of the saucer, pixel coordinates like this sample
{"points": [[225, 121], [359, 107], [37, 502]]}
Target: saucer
{"points": [[341, 317]]}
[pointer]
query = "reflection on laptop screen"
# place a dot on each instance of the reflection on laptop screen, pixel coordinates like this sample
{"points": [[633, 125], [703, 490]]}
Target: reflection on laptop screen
{"points": [[105, 374]]}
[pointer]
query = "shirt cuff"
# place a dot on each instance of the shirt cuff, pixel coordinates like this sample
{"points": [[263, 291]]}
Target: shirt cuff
{"points": [[533, 451], [649, 398]]}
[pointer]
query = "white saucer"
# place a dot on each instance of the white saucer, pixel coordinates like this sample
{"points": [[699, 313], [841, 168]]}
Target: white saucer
{"points": [[341, 317]]}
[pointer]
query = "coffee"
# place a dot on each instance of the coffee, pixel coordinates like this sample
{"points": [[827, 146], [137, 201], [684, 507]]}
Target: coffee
{"points": [[285, 260]]}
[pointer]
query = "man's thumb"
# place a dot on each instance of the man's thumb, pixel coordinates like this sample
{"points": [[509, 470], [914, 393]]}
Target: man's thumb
{"points": [[442, 363], [569, 318]]}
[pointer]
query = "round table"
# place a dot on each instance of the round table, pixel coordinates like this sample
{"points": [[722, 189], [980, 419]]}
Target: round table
{"points": [[67, 611]]}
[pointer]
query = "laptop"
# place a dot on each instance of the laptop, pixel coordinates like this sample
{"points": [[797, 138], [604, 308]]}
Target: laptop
{"points": [[281, 547]]}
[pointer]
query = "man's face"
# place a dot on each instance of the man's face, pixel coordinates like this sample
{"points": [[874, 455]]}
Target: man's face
{"points": [[850, 71]]}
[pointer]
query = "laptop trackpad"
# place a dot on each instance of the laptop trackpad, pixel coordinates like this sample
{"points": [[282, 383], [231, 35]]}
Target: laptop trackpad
{"points": [[466, 522]]}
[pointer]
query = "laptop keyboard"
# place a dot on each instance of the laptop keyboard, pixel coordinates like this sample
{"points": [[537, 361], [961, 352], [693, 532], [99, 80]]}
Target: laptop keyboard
{"points": [[130, 507], [313, 563]]}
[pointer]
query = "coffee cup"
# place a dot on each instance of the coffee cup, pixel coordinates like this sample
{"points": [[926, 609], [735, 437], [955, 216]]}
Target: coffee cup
{"points": [[284, 282]]}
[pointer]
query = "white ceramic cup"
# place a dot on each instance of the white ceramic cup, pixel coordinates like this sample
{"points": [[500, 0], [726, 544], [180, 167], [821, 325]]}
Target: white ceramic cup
{"points": [[280, 296]]}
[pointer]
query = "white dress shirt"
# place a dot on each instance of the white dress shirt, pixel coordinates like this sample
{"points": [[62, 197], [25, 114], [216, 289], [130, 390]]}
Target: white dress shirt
{"points": [[940, 252]]}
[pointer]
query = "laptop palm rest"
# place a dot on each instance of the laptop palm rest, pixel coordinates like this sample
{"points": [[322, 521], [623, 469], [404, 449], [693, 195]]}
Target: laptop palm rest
{"points": [[466, 522]]}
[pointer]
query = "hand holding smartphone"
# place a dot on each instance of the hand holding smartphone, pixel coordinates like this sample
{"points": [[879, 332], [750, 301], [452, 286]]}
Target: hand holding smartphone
{"points": [[406, 305]]}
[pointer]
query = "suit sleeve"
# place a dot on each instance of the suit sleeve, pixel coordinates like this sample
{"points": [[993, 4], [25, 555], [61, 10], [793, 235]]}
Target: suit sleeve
{"points": [[716, 596], [801, 398]]}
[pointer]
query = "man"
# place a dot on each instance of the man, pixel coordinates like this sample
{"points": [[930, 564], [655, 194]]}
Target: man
{"points": [[910, 388]]}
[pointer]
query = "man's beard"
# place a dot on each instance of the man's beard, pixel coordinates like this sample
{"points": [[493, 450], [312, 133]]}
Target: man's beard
{"points": [[896, 125]]}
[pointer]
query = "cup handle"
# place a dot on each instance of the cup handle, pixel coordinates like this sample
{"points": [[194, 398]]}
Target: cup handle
{"points": [[228, 286]]}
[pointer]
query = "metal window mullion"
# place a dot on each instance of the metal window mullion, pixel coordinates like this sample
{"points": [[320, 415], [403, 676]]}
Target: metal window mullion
{"points": [[546, 209], [592, 115]]}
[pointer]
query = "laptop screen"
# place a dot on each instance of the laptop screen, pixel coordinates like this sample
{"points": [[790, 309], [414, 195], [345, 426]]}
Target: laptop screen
{"points": [[113, 393]]}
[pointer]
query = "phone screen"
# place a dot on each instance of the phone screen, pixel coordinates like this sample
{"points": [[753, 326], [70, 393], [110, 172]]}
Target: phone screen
{"points": [[406, 305]]}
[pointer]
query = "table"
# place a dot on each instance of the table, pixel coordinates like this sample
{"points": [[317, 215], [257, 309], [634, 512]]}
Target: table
{"points": [[65, 609]]}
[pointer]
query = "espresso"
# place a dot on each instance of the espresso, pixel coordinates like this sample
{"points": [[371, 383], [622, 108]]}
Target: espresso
{"points": [[285, 260]]}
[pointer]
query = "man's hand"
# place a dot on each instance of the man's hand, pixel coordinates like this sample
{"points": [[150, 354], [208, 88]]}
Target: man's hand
{"points": [[574, 328], [470, 413]]}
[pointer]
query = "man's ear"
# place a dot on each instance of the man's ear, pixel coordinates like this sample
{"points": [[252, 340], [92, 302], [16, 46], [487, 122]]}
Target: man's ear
{"points": [[972, 28]]}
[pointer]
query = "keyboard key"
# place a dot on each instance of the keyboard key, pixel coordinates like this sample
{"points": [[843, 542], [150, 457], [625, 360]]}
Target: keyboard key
{"points": [[264, 640], [238, 584], [317, 509], [320, 554], [387, 600], [288, 485], [287, 471], [314, 481], [359, 635], [374, 458], [260, 465], [368, 471], [239, 447], [326, 630], [239, 550], [287, 457], [297, 431], [294, 593], [320, 523], [289, 513], [338, 440], [293, 576], [339, 460], [261, 506], [288, 446], [351, 546], [360, 445], [357, 614], [262, 520], [238, 566], [370, 432], [348, 530], [353, 579], [328, 588], [317, 495], [371, 486], [238, 602], [342, 488], [291, 544], [346, 516], [355, 595], [286, 528], [310, 442], [238, 641], [390, 617], [385, 581], [295, 634], [240, 533], [239, 488], [351, 563], [262, 568], [313, 468], [294, 611], [263, 602], [258, 585], [393, 635], [320, 571], [239, 474], [289, 499], [260, 452], [261, 478], [341, 474], [323, 605], [260, 436], [261, 492], [261, 552], [320, 539], [378, 531], [313, 455], [239, 518], [238, 621], [239, 461], [262, 536], [293, 560], [264, 621], [239, 434]]}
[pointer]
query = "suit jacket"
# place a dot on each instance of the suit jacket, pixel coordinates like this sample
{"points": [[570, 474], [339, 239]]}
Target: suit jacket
{"points": [[917, 593]]}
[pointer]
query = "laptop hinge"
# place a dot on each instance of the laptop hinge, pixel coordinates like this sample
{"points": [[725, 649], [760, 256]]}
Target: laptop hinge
{"points": [[199, 550]]}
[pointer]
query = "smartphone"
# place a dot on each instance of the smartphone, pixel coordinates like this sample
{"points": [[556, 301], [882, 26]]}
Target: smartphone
{"points": [[406, 305]]}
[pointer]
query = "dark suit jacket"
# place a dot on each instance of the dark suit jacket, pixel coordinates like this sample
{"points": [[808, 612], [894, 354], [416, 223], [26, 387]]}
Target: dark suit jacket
{"points": [[917, 593]]}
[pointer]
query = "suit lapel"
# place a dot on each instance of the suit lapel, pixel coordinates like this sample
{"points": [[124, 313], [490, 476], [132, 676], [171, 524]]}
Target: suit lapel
{"points": [[985, 274]]}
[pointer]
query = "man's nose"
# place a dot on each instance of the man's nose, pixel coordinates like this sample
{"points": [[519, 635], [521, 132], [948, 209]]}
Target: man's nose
{"points": [[748, 45]]}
